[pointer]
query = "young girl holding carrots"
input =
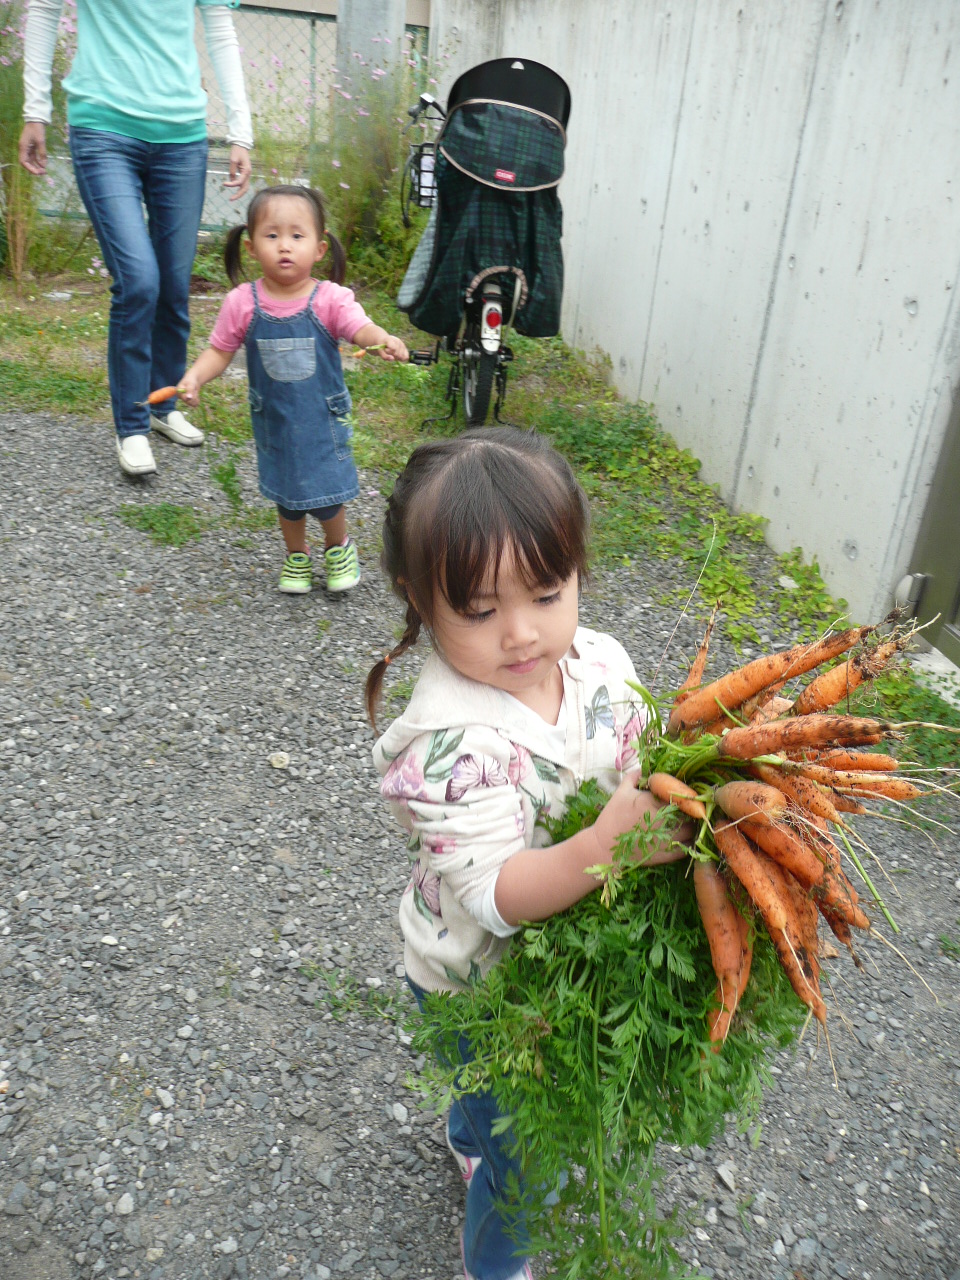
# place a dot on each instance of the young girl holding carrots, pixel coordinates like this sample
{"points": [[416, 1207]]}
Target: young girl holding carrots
{"points": [[485, 541], [290, 324]]}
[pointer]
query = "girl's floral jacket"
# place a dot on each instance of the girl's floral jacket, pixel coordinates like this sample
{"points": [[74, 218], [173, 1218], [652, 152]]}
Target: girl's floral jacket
{"points": [[468, 774]]}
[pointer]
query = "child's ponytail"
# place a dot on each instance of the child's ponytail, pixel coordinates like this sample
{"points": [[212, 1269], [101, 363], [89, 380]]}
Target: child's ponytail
{"points": [[232, 261], [337, 269], [374, 684]]}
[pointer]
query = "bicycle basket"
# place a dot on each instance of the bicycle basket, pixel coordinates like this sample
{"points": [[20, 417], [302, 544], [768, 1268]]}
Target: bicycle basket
{"points": [[422, 173]]}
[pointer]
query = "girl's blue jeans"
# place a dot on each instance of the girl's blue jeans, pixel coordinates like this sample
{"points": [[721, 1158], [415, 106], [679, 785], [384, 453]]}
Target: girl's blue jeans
{"points": [[149, 258], [493, 1236]]}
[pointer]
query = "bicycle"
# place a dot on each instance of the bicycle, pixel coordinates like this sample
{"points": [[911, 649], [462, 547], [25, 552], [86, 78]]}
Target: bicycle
{"points": [[489, 258]]}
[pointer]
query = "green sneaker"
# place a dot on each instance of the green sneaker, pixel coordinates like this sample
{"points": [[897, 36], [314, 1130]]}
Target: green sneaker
{"points": [[296, 576], [343, 567]]}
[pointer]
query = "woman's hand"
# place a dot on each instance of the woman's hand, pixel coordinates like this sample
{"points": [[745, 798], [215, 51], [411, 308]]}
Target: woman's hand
{"points": [[240, 170], [33, 148]]}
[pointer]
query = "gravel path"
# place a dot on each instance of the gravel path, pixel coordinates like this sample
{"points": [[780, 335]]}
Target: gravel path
{"points": [[201, 1072]]}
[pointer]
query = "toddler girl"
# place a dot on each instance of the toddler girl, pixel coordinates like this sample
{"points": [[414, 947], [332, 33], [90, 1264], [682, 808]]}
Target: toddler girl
{"points": [[485, 541], [291, 324]]}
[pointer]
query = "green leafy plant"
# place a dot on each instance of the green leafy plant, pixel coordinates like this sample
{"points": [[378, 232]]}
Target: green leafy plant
{"points": [[591, 1033], [950, 946], [225, 474], [165, 522], [902, 696]]}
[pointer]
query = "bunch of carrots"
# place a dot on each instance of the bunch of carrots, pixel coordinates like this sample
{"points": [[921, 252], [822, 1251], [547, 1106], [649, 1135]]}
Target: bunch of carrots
{"points": [[774, 782]]}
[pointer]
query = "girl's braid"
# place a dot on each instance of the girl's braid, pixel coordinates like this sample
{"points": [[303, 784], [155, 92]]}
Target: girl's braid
{"points": [[409, 638]]}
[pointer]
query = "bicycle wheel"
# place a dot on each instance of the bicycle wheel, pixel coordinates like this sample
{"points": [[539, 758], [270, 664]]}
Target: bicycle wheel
{"points": [[478, 374]]}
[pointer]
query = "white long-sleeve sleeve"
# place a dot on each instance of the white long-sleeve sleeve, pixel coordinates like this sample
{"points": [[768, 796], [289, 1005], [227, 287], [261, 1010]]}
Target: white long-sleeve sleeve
{"points": [[39, 43], [224, 49]]}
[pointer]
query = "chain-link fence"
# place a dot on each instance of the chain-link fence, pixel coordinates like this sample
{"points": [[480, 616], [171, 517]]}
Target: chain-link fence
{"points": [[289, 64], [289, 61]]}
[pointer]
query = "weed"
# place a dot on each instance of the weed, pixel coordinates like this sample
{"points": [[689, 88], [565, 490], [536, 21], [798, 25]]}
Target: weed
{"points": [[228, 972], [323, 627], [399, 694], [165, 522], [950, 946], [208, 264], [225, 474], [900, 695], [344, 998], [127, 1086]]}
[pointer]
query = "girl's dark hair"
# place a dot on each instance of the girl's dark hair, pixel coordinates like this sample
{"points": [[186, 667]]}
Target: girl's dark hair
{"points": [[458, 506], [336, 259]]}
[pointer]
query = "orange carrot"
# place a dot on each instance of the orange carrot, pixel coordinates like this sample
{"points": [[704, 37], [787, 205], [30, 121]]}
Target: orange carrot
{"points": [[875, 761], [857, 782], [787, 849], [847, 804], [732, 690], [747, 864], [810, 796], [727, 933], [163, 393], [841, 931], [767, 708], [754, 800], [672, 791], [695, 674], [830, 687], [803, 731], [797, 945], [810, 867]]}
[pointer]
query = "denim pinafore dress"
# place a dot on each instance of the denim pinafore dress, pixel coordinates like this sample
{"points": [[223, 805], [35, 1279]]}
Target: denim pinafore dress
{"points": [[300, 408]]}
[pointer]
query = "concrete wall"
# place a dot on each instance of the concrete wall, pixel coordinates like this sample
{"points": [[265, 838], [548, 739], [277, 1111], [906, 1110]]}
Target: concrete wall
{"points": [[762, 230]]}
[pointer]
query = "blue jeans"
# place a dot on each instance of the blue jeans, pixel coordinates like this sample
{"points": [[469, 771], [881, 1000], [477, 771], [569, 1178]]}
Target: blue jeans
{"points": [[493, 1234], [150, 259]]}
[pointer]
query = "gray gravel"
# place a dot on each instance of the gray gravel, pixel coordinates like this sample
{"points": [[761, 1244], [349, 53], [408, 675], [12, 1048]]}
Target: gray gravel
{"points": [[202, 1065]]}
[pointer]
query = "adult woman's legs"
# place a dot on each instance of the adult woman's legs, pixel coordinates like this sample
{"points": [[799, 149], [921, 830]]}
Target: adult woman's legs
{"points": [[150, 268], [173, 194]]}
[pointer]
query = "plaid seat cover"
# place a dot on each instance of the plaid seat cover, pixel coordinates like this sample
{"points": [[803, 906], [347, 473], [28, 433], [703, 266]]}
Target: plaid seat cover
{"points": [[473, 227], [508, 147]]}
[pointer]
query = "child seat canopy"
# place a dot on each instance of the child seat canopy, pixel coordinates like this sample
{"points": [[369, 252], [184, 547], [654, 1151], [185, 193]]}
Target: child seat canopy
{"points": [[505, 125], [497, 211]]}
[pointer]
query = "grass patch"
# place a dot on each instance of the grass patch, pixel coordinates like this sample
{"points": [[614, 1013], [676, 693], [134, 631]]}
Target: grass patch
{"points": [[164, 522], [950, 946], [901, 695], [225, 474], [34, 386]]}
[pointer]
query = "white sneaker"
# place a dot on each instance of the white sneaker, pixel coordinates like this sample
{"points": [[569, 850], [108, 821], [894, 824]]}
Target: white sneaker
{"points": [[176, 428], [136, 456]]}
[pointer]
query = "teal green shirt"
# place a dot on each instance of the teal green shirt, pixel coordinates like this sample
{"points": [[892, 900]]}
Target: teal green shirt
{"points": [[136, 71]]}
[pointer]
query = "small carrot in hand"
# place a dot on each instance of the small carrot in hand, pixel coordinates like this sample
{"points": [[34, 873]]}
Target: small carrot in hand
{"points": [[672, 791], [161, 394]]}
